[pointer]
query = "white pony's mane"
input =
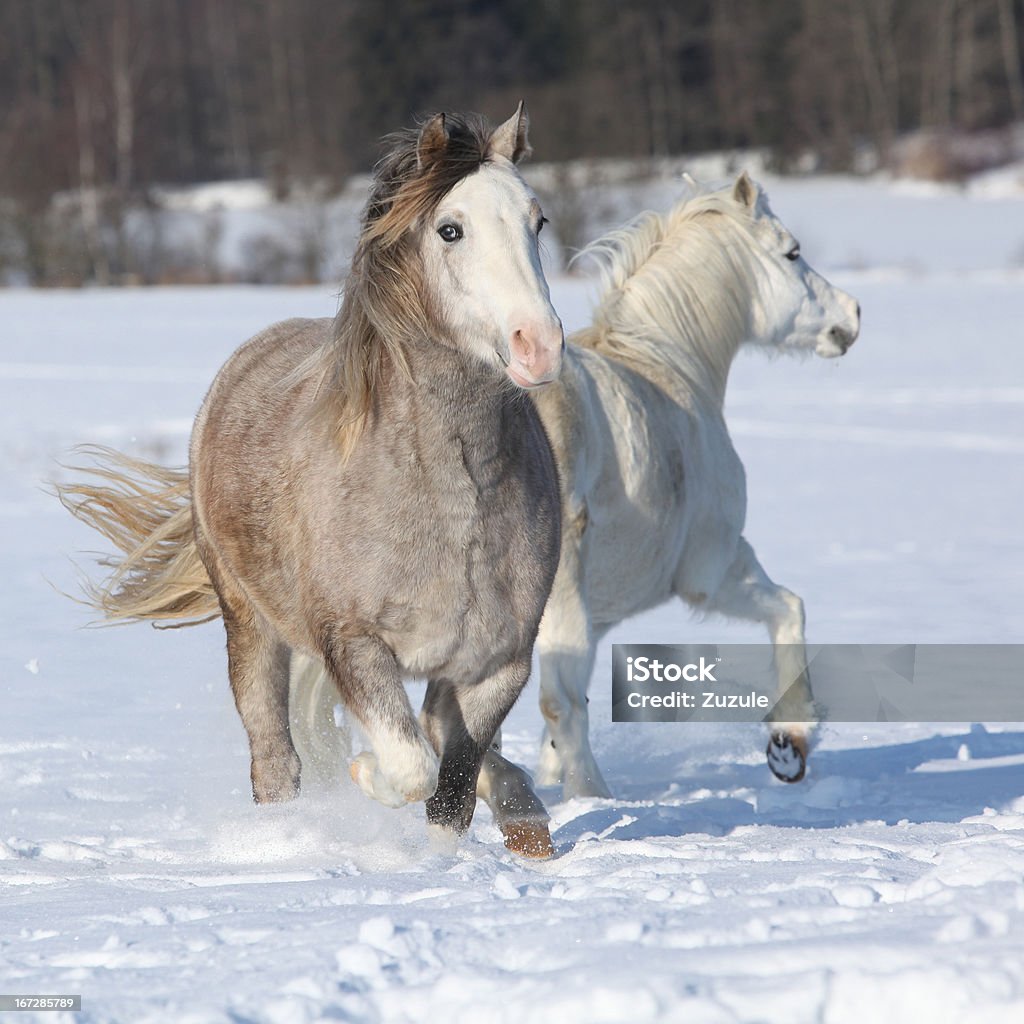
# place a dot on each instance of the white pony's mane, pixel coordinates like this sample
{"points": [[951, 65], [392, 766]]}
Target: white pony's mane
{"points": [[675, 291]]}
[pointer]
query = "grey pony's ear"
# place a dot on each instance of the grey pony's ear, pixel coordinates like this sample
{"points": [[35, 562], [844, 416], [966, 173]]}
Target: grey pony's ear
{"points": [[432, 142], [745, 191], [509, 139]]}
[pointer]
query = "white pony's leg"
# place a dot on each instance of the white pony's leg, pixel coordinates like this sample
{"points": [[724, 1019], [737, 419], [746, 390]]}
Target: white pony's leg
{"points": [[508, 791], [324, 748], [549, 764], [748, 593], [566, 647], [566, 756]]}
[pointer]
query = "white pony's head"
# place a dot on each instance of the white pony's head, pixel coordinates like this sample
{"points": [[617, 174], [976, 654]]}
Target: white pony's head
{"points": [[794, 307]]}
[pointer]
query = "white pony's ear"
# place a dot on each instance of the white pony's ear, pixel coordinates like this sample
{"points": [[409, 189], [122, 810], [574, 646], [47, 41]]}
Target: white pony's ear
{"points": [[745, 191], [509, 139], [432, 142], [691, 182]]}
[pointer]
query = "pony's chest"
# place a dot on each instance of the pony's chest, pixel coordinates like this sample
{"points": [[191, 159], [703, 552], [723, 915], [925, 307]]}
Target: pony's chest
{"points": [[478, 576], [432, 505]]}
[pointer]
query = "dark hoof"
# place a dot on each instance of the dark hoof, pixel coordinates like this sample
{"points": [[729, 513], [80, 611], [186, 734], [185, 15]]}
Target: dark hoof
{"points": [[787, 756], [529, 839]]}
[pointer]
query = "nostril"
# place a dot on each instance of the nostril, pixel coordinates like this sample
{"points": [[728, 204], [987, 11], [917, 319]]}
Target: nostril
{"points": [[842, 337], [858, 312], [523, 348]]}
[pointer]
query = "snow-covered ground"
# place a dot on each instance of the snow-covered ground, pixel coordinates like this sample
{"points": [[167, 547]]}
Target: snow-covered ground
{"points": [[886, 488]]}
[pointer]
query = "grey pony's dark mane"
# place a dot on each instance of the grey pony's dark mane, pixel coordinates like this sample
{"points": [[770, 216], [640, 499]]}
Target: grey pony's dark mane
{"points": [[384, 306]]}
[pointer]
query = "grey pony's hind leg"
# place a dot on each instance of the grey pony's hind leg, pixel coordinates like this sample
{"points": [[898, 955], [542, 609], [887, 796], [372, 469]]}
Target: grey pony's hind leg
{"points": [[258, 668], [518, 812], [748, 593]]}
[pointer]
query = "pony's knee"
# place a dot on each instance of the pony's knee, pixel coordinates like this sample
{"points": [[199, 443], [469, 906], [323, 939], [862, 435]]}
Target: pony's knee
{"points": [[553, 706], [561, 705], [565, 713]]}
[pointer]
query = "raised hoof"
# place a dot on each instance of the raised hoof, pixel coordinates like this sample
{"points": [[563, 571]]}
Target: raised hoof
{"points": [[415, 779], [528, 839], [366, 775], [787, 756]]}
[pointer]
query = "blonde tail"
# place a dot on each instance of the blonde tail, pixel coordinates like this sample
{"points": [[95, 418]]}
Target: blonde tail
{"points": [[145, 510]]}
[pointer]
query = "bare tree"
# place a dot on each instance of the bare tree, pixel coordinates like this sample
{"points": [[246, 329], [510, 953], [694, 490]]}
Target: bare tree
{"points": [[1009, 37], [132, 93], [871, 31]]}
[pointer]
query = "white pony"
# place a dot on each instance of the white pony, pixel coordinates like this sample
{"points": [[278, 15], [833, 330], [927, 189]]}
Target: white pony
{"points": [[653, 492]]}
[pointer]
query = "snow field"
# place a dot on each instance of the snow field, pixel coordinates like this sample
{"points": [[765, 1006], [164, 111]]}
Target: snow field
{"points": [[885, 488]]}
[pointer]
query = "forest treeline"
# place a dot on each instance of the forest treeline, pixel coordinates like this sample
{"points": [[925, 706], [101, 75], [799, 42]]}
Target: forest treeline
{"points": [[102, 99]]}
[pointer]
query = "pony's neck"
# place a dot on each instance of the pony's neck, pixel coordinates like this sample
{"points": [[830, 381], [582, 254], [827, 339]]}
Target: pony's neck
{"points": [[682, 314], [459, 381]]}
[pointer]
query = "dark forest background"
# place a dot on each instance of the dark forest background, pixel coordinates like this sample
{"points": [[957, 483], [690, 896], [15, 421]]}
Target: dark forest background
{"points": [[100, 100]]}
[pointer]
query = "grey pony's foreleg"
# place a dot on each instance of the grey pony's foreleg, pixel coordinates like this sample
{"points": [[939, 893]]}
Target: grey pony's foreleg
{"points": [[403, 766], [461, 721], [748, 593], [324, 747], [518, 812]]}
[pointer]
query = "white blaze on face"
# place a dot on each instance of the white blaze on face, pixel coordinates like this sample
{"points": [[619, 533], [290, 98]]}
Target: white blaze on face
{"points": [[482, 262], [797, 308]]}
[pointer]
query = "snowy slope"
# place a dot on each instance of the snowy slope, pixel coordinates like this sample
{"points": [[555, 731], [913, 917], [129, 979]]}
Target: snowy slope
{"points": [[886, 488]]}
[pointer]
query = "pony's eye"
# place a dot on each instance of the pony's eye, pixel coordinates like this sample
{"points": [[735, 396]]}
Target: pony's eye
{"points": [[794, 253], [540, 226], [450, 232]]}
